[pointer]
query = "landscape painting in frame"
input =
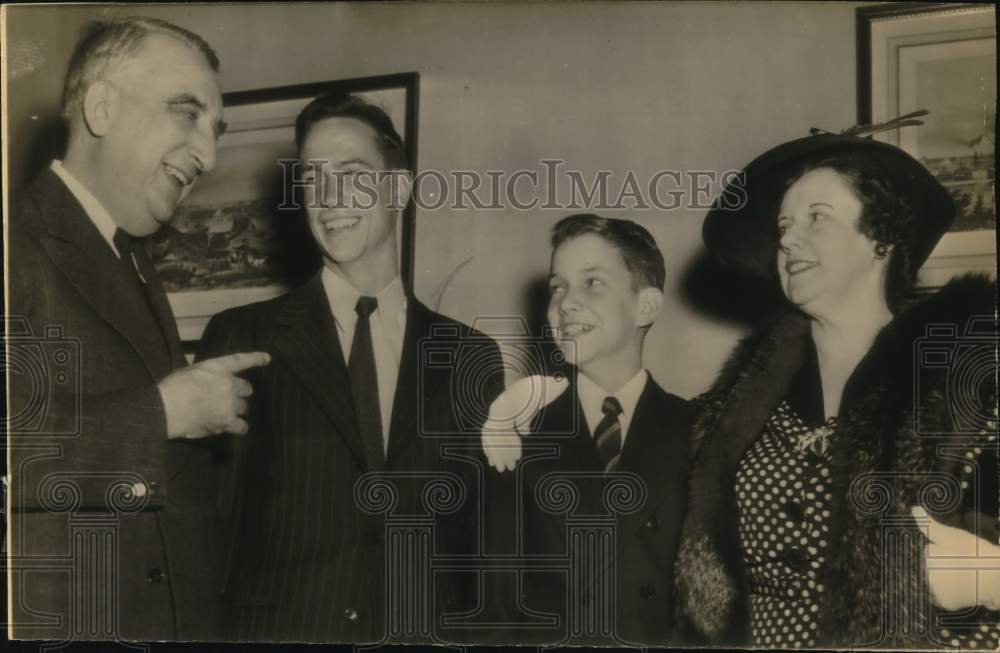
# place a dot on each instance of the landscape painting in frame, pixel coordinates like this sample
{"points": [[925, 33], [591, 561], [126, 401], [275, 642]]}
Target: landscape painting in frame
{"points": [[240, 237], [940, 58]]}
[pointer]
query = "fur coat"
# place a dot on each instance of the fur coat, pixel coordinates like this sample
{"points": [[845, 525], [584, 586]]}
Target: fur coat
{"points": [[902, 438]]}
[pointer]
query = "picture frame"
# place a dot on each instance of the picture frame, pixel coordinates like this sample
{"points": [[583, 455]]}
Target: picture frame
{"points": [[939, 57], [238, 237]]}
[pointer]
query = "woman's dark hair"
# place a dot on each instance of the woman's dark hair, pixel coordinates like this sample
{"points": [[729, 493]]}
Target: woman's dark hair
{"points": [[886, 214]]}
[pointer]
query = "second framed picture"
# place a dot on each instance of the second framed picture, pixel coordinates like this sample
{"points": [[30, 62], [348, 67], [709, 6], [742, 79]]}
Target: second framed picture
{"points": [[940, 58], [237, 238]]}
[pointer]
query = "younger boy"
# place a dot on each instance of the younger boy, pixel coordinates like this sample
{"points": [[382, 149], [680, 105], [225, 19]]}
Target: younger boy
{"points": [[603, 478]]}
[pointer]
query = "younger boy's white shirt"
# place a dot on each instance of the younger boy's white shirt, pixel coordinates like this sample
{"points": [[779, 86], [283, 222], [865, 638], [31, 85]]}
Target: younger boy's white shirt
{"points": [[592, 397]]}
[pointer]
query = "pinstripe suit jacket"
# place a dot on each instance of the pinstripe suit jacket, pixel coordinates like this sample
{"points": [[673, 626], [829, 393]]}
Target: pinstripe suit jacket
{"points": [[308, 543]]}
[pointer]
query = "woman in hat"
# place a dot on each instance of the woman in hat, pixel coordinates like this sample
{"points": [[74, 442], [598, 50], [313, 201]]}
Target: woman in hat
{"points": [[831, 429]]}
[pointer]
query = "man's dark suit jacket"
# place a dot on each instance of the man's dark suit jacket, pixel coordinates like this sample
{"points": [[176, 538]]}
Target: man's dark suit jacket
{"points": [[309, 545], [567, 503], [92, 558]]}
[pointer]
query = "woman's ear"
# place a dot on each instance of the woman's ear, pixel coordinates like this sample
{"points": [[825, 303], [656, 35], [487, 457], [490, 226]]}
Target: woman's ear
{"points": [[98, 108], [882, 250], [650, 303]]}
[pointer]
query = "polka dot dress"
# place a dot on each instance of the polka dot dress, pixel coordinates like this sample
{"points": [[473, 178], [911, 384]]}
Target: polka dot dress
{"points": [[984, 636], [783, 494]]}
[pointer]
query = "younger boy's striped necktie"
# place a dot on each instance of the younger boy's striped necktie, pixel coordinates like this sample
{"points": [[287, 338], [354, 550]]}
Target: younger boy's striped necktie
{"points": [[608, 434]]}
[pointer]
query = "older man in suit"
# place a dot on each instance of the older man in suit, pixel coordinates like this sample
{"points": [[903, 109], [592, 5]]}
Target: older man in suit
{"points": [[113, 512], [365, 399]]}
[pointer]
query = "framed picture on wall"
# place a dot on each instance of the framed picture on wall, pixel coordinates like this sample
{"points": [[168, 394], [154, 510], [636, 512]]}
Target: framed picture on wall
{"points": [[941, 58], [240, 237]]}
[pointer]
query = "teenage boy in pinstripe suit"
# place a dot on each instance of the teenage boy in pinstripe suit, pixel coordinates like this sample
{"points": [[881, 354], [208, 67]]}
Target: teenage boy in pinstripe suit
{"points": [[346, 394]]}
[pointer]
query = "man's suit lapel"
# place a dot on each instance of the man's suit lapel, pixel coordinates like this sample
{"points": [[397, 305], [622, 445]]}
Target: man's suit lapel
{"points": [[77, 248], [416, 382], [310, 345], [161, 306]]}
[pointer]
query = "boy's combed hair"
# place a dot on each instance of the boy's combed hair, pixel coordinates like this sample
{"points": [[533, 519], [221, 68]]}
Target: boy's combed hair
{"points": [[637, 246], [337, 104]]}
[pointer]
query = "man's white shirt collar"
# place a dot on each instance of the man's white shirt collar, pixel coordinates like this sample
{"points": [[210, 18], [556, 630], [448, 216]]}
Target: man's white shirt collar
{"points": [[343, 298], [592, 397], [91, 206]]}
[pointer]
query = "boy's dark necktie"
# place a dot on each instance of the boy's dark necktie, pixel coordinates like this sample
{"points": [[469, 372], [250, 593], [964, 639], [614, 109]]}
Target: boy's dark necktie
{"points": [[364, 385], [608, 434]]}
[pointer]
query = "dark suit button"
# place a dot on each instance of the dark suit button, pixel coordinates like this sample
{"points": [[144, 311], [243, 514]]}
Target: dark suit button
{"points": [[647, 590], [351, 614], [652, 523], [154, 577]]}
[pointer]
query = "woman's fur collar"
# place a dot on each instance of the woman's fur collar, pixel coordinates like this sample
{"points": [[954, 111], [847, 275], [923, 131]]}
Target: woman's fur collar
{"points": [[880, 463]]}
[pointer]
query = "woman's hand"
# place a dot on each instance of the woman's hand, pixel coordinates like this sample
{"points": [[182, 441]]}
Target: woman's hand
{"points": [[962, 570]]}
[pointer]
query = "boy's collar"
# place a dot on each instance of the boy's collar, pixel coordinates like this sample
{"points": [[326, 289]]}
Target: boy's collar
{"points": [[584, 380], [592, 396]]}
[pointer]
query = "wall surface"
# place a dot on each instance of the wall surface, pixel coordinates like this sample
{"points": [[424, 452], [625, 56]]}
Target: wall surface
{"points": [[640, 87]]}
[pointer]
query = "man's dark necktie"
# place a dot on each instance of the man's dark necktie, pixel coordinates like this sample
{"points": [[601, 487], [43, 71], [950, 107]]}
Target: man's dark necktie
{"points": [[127, 248], [608, 434], [124, 243], [364, 384]]}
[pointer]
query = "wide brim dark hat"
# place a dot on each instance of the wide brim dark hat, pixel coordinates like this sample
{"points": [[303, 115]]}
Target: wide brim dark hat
{"points": [[740, 231]]}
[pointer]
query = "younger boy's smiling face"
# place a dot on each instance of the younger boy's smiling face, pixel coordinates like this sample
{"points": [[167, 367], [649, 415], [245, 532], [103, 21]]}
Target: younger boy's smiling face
{"points": [[594, 304]]}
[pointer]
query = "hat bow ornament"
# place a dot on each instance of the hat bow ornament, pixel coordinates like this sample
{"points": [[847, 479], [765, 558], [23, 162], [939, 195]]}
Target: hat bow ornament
{"points": [[743, 235]]}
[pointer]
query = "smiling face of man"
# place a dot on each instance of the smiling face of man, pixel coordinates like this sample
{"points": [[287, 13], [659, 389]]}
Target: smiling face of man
{"points": [[349, 204], [162, 113], [595, 307]]}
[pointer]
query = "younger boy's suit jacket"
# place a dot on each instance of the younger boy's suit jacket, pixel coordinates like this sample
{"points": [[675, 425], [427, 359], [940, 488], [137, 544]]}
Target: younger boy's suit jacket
{"points": [[596, 550]]}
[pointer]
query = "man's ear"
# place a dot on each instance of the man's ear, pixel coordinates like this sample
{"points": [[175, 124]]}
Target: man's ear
{"points": [[402, 187], [650, 303], [98, 108]]}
